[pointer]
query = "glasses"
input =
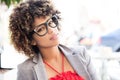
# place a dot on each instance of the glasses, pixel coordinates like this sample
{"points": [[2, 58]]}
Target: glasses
{"points": [[42, 29]]}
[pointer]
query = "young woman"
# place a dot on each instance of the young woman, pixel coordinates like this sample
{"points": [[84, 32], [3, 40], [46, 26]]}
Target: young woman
{"points": [[34, 27]]}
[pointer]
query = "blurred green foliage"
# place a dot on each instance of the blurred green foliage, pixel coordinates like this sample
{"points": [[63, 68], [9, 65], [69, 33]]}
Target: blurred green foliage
{"points": [[9, 2]]}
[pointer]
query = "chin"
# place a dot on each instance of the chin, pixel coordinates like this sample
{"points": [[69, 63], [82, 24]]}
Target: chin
{"points": [[51, 45], [56, 44]]}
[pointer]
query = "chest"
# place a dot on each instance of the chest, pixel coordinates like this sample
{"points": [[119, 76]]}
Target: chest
{"points": [[57, 68]]}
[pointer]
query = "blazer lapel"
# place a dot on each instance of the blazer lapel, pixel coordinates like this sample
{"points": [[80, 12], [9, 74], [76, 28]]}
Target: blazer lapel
{"points": [[78, 66], [39, 69], [75, 62]]}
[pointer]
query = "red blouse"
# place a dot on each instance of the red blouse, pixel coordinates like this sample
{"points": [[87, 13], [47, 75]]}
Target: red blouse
{"points": [[67, 76]]}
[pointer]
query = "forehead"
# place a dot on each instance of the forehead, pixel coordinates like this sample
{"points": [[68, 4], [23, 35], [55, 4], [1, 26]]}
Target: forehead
{"points": [[40, 20]]}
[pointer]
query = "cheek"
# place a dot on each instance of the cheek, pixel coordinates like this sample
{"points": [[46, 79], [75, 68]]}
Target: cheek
{"points": [[41, 41]]}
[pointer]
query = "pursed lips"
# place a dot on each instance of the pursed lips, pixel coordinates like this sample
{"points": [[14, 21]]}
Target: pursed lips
{"points": [[54, 37]]}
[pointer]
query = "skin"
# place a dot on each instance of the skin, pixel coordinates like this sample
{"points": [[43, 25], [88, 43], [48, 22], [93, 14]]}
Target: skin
{"points": [[48, 46]]}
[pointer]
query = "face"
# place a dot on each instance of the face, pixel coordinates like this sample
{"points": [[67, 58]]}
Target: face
{"points": [[45, 32]]}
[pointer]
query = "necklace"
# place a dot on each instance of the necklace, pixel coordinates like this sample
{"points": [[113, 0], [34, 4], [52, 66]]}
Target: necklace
{"points": [[53, 67]]}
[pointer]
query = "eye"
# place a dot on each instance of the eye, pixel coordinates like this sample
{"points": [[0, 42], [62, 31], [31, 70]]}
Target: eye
{"points": [[51, 23], [41, 28]]}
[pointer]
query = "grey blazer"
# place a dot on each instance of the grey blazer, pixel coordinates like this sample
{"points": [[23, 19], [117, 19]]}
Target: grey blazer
{"points": [[34, 69]]}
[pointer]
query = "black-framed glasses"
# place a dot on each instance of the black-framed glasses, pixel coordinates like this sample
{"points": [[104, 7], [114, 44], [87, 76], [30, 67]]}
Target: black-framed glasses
{"points": [[42, 29]]}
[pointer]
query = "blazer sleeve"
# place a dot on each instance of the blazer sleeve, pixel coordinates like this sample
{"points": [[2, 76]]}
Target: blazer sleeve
{"points": [[20, 74], [89, 65]]}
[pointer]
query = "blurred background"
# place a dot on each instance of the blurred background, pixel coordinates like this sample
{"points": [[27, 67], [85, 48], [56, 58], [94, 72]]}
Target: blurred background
{"points": [[94, 24]]}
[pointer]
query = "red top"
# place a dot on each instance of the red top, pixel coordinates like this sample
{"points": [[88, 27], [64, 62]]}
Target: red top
{"points": [[64, 75], [67, 76]]}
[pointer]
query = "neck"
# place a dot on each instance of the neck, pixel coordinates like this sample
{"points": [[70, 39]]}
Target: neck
{"points": [[51, 53]]}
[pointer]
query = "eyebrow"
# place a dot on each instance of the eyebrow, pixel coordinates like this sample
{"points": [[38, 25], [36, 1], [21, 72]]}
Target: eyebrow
{"points": [[44, 22]]}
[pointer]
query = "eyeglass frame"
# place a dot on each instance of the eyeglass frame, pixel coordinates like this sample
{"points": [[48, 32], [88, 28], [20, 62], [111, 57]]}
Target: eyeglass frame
{"points": [[46, 26]]}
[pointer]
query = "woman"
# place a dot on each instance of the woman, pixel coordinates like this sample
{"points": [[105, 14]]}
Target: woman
{"points": [[34, 27]]}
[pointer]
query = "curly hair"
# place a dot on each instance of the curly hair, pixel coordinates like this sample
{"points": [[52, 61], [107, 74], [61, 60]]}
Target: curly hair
{"points": [[21, 21]]}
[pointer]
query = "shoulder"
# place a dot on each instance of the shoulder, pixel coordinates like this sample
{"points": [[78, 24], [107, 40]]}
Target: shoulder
{"points": [[75, 50], [25, 70], [27, 64], [81, 52], [78, 49]]}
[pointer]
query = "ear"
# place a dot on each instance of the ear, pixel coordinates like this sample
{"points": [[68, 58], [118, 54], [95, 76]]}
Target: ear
{"points": [[33, 42]]}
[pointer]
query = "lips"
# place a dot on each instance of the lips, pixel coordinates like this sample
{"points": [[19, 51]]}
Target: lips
{"points": [[54, 37]]}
